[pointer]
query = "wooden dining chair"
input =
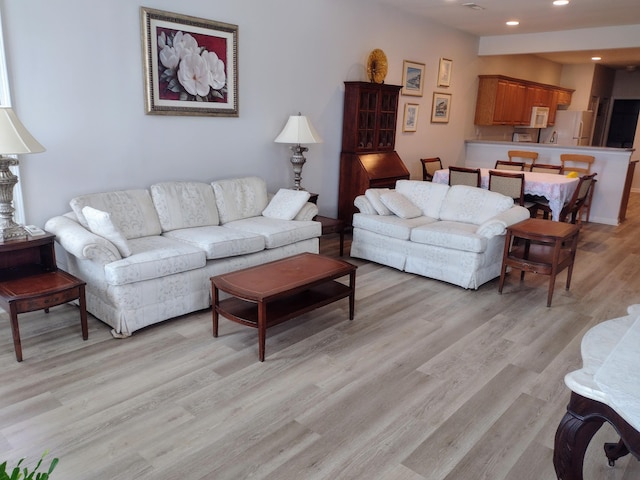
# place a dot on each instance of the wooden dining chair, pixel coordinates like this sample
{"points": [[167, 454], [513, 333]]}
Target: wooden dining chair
{"points": [[512, 185], [523, 155], [464, 176], [545, 168], [575, 162], [429, 167], [508, 165]]}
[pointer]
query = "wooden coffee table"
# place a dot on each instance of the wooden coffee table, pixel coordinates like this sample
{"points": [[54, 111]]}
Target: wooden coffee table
{"points": [[278, 291]]}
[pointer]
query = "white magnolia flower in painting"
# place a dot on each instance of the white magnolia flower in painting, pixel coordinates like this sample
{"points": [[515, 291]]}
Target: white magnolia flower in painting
{"points": [[193, 75], [217, 76], [185, 45], [189, 69]]}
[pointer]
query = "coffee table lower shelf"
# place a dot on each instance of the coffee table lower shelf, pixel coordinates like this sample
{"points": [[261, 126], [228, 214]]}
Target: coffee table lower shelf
{"points": [[278, 311]]}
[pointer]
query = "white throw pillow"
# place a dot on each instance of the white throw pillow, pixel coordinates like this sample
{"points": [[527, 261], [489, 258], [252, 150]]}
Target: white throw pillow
{"points": [[400, 205], [373, 195], [286, 204], [100, 223]]}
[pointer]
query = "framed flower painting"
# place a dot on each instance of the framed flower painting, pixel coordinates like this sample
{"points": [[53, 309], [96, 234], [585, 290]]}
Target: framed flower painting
{"points": [[190, 65]]}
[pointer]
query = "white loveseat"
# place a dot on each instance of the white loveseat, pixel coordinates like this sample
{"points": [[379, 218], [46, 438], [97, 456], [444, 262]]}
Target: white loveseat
{"points": [[455, 234], [155, 249]]}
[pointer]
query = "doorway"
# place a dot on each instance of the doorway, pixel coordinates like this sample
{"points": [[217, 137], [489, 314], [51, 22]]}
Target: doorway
{"points": [[624, 119]]}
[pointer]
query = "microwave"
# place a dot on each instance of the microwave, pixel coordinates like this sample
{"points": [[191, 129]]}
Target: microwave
{"points": [[539, 117]]}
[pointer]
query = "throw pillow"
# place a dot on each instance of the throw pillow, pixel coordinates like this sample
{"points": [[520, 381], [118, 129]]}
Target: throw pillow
{"points": [[400, 205], [286, 204], [100, 223], [373, 195]]}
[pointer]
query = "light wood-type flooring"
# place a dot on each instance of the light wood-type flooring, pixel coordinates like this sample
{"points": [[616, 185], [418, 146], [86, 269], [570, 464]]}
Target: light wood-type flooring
{"points": [[429, 381]]}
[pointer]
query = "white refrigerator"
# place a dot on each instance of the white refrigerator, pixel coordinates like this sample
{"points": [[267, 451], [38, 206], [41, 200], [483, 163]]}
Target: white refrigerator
{"points": [[574, 127]]}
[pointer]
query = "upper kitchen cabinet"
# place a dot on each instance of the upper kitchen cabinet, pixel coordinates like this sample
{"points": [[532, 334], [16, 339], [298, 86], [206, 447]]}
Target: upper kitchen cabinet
{"points": [[508, 101]]}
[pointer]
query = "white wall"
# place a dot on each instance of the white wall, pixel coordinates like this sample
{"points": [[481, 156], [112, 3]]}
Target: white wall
{"points": [[75, 71]]}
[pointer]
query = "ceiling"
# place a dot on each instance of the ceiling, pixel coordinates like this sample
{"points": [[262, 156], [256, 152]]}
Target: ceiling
{"points": [[536, 16]]}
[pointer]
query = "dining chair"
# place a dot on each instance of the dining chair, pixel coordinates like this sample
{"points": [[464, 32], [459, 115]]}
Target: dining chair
{"points": [[511, 185], [508, 165], [528, 156], [572, 209], [429, 167], [545, 168], [464, 176], [575, 162]]}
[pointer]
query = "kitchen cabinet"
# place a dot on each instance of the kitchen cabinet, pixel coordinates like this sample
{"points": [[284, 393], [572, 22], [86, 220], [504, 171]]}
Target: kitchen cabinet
{"points": [[368, 158], [508, 101]]}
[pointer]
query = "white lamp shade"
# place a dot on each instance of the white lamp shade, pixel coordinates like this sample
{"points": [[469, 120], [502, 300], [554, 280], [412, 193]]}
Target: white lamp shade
{"points": [[298, 130], [14, 137]]}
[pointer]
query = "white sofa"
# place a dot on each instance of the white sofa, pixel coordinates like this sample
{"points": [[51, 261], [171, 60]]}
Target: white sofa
{"points": [[155, 249], [455, 234]]}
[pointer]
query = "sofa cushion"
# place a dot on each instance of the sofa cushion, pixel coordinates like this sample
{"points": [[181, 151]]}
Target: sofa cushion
{"points": [[154, 257], [400, 205], [389, 225], [428, 196], [286, 204], [240, 198], [218, 241], [100, 223], [184, 204], [453, 235], [373, 195], [131, 211], [473, 205], [278, 232]]}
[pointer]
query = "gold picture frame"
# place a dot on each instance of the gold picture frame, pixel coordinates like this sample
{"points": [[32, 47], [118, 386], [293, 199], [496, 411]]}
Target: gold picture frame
{"points": [[410, 121], [441, 108], [412, 78], [172, 83], [444, 72]]}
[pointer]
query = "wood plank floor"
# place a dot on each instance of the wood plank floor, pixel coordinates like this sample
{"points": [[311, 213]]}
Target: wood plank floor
{"points": [[429, 381]]}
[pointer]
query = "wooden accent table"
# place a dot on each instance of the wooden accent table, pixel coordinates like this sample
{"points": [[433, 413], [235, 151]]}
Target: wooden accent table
{"points": [[275, 292], [548, 248], [30, 280], [329, 225]]}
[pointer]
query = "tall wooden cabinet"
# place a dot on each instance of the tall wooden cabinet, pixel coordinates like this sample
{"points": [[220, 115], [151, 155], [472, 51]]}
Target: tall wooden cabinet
{"points": [[368, 158]]}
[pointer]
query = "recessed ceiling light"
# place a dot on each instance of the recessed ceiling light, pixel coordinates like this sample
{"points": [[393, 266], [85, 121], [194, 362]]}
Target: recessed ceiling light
{"points": [[559, 3], [513, 23], [595, 59]]}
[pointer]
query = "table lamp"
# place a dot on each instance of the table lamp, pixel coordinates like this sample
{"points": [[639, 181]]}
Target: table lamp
{"points": [[297, 131], [14, 139]]}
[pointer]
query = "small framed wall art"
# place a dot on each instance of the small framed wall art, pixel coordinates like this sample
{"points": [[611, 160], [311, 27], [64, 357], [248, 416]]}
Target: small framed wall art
{"points": [[412, 78], [444, 72], [441, 107], [410, 123], [190, 65]]}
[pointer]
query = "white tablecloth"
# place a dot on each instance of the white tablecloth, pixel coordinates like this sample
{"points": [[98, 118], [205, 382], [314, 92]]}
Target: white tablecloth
{"points": [[558, 189]]}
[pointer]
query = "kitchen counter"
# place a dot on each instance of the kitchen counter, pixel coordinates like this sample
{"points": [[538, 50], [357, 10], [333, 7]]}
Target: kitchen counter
{"points": [[613, 166]]}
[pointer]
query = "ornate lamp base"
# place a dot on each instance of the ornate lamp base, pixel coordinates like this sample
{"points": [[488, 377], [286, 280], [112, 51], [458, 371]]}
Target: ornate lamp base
{"points": [[297, 160], [9, 230]]}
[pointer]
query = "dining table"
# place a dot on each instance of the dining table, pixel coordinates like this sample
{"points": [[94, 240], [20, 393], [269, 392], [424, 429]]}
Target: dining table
{"points": [[557, 189]]}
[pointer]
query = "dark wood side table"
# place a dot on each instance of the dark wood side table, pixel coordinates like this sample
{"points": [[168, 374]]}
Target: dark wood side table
{"points": [[329, 225], [30, 280], [540, 246]]}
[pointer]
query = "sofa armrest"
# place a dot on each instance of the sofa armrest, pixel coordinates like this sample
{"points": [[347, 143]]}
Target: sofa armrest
{"points": [[363, 204], [307, 212], [498, 225], [80, 242]]}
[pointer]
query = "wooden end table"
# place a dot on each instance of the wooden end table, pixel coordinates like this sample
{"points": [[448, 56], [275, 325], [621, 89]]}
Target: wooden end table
{"points": [[540, 246], [329, 225], [30, 281], [272, 293]]}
